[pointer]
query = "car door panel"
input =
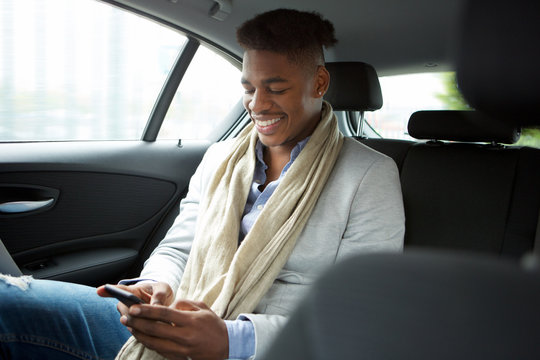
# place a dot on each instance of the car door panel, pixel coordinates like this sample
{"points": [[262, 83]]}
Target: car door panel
{"points": [[109, 201]]}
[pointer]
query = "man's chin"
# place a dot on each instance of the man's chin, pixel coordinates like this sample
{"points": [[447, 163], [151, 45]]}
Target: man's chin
{"points": [[275, 142], [267, 141]]}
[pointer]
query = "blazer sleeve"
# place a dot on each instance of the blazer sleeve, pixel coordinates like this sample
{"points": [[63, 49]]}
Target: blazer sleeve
{"points": [[377, 217]]}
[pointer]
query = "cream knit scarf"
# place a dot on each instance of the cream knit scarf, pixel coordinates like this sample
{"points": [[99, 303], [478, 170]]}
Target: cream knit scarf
{"points": [[232, 279]]}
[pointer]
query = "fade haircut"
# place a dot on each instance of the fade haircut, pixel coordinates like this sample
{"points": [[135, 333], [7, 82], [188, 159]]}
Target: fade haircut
{"points": [[299, 35]]}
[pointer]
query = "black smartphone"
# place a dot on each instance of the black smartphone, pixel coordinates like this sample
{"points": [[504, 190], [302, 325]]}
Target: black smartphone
{"points": [[122, 295]]}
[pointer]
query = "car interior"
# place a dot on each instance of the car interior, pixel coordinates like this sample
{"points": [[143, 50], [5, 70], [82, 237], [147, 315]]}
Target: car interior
{"points": [[453, 172], [430, 303], [468, 282]]}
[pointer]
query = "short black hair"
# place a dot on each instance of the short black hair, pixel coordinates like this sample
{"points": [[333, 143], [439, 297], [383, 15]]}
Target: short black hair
{"points": [[300, 35]]}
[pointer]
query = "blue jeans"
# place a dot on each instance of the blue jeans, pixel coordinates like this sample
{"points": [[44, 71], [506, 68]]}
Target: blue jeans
{"points": [[58, 320]]}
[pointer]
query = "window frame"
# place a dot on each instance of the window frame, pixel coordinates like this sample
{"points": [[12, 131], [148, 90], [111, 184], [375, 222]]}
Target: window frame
{"points": [[236, 119]]}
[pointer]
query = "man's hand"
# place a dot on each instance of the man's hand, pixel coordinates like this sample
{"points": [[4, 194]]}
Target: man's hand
{"points": [[154, 293], [184, 329]]}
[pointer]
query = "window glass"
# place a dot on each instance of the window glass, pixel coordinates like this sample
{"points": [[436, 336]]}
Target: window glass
{"points": [[79, 70], [405, 94], [209, 90], [529, 137]]}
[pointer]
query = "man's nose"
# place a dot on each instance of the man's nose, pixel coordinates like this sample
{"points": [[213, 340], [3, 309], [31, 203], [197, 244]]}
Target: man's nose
{"points": [[259, 102]]}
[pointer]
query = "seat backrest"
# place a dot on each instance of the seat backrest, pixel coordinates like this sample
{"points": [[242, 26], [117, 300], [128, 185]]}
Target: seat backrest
{"points": [[417, 305], [464, 195], [457, 196], [394, 148]]}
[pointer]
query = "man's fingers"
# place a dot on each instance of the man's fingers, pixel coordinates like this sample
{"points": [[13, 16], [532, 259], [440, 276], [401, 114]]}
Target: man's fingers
{"points": [[161, 294], [156, 313], [136, 290], [167, 348], [159, 329], [102, 292], [122, 309], [198, 331]]}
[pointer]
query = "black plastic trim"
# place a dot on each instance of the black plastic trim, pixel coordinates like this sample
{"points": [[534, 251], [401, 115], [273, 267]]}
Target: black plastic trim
{"points": [[169, 90]]}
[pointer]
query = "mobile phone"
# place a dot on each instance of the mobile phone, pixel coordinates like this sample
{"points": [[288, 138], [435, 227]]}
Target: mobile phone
{"points": [[122, 295]]}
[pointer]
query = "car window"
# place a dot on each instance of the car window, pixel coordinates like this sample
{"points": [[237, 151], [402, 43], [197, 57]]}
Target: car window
{"points": [[529, 137], [405, 94], [79, 70], [209, 90]]}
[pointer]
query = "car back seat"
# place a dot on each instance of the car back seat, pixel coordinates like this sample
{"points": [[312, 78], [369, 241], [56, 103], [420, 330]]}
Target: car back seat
{"points": [[462, 189], [471, 193]]}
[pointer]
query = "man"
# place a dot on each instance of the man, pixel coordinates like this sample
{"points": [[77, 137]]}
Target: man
{"points": [[265, 213]]}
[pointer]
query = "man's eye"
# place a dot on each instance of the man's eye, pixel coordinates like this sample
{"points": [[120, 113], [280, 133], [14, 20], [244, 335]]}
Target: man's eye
{"points": [[276, 92], [249, 91]]}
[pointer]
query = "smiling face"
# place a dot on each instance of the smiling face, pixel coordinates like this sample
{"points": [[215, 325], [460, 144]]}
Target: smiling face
{"points": [[283, 99]]}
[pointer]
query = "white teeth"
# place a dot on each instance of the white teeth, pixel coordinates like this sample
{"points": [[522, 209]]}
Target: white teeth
{"points": [[267, 122]]}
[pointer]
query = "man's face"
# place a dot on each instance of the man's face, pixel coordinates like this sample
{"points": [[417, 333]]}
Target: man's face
{"points": [[281, 98]]}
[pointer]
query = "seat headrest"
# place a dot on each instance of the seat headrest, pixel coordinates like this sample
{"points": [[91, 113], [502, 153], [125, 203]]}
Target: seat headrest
{"points": [[354, 86], [498, 59], [454, 125]]}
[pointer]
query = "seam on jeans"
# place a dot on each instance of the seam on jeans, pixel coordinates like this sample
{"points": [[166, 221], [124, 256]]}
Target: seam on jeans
{"points": [[46, 342]]}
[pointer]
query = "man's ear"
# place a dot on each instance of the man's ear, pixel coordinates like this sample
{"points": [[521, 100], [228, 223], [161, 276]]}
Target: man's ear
{"points": [[322, 81]]}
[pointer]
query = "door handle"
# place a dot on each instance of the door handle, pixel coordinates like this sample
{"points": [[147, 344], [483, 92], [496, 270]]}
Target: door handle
{"points": [[16, 207]]}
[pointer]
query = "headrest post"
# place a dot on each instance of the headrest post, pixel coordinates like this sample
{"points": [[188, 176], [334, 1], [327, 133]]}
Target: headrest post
{"points": [[360, 125]]}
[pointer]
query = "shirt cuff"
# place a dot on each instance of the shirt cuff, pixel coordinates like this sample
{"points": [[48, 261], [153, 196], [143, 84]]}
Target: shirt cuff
{"points": [[241, 339]]}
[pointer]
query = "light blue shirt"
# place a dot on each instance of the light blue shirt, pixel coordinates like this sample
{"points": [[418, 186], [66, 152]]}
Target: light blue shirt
{"points": [[241, 331]]}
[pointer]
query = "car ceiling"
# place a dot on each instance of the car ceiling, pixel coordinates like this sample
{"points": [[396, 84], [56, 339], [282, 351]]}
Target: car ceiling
{"points": [[395, 36]]}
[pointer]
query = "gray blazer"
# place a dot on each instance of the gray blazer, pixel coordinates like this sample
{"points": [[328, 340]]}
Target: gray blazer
{"points": [[360, 210]]}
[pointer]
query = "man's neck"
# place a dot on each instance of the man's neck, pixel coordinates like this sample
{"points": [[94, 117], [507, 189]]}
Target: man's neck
{"points": [[276, 157]]}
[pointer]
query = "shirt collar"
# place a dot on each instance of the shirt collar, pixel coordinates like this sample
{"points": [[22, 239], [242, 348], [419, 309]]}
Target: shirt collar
{"points": [[294, 153]]}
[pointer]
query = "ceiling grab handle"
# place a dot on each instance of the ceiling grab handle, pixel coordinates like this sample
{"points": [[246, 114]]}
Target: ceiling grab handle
{"points": [[221, 9]]}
